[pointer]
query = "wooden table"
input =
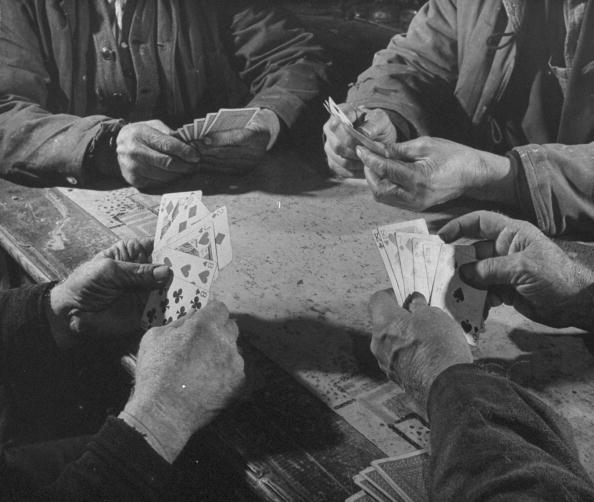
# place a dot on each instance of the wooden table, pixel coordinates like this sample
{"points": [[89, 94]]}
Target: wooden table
{"points": [[304, 267]]}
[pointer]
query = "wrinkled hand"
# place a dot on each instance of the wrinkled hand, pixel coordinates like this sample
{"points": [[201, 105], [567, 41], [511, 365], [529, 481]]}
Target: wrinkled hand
{"points": [[522, 267], [424, 172], [149, 156], [130, 250], [340, 146], [186, 374], [240, 151], [414, 345], [103, 298]]}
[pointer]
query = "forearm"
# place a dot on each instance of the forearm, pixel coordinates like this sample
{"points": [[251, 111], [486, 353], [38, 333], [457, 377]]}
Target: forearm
{"points": [[283, 65], [558, 183], [39, 148], [26, 338], [117, 464], [492, 440]]}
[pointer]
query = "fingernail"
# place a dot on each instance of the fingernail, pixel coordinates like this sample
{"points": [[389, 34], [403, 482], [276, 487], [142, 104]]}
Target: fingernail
{"points": [[359, 151], [207, 141], [161, 273]]}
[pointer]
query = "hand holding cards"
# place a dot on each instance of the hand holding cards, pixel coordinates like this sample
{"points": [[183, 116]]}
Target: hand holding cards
{"points": [[351, 130], [417, 261], [195, 243], [225, 119]]}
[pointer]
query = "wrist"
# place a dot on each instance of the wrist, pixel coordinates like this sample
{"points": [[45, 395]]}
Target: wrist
{"points": [[496, 180], [163, 433]]}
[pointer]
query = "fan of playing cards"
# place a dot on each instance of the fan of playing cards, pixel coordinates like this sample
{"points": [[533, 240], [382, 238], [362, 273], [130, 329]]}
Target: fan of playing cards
{"points": [[395, 479], [351, 129], [224, 120], [417, 261], [195, 243]]}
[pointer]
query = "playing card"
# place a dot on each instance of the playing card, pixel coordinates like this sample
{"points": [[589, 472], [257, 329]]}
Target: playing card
{"points": [[208, 120], [413, 261], [227, 119], [198, 126], [464, 303], [421, 281], [172, 302], [377, 480], [222, 237], [391, 248], [431, 255], [379, 242], [197, 240], [190, 268], [370, 489], [168, 210], [407, 474], [358, 136], [189, 210], [189, 132]]}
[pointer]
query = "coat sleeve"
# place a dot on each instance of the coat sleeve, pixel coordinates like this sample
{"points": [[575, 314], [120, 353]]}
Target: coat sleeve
{"points": [[115, 464], [40, 144], [280, 61], [492, 440], [416, 73], [555, 186], [26, 343]]}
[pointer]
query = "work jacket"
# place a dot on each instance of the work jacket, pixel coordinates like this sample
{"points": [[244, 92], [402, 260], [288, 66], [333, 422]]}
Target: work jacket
{"points": [[207, 54], [457, 49]]}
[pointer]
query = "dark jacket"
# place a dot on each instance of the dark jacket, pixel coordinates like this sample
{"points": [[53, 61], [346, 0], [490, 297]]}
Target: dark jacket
{"points": [[492, 440], [114, 464], [455, 49], [207, 54]]}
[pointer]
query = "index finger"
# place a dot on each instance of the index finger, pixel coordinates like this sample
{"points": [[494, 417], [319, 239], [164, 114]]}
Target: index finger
{"points": [[383, 308], [479, 224], [171, 146]]}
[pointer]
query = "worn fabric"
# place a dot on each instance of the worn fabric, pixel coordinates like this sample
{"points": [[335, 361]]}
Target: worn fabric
{"points": [[114, 464], [492, 440], [455, 65], [188, 58]]}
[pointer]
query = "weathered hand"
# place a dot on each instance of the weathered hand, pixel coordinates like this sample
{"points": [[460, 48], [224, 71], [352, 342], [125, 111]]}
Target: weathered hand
{"points": [[186, 374], [149, 156], [522, 267], [424, 172], [340, 146], [414, 345], [131, 250], [240, 151], [102, 298]]}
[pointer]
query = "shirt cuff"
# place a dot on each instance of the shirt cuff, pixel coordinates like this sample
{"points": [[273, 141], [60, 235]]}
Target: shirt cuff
{"points": [[286, 106], [526, 187]]}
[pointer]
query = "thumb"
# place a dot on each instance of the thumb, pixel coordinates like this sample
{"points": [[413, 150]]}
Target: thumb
{"points": [[147, 276], [498, 271], [228, 138]]}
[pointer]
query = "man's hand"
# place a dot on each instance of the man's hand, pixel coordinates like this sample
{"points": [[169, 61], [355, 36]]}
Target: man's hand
{"points": [[186, 374], [149, 156], [131, 250], [414, 345], [424, 172], [240, 151], [104, 297], [521, 267], [340, 146]]}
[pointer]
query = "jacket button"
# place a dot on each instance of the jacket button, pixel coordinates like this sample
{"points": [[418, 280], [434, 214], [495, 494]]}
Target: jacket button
{"points": [[108, 54]]}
